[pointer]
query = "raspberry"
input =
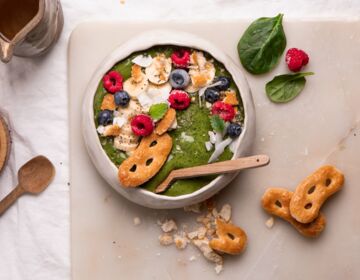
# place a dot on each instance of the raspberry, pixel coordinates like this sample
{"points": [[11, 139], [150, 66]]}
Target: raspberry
{"points": [[181, 58], [225, 111], [296, 59], [142, 125], [113, 82], [179, 99]]}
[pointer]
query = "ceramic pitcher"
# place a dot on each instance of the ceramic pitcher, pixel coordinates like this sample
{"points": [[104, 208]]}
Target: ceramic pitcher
{"points": [[28, 27]]}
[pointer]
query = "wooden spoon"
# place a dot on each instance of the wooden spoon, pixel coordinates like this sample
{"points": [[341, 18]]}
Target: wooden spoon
{"points": [[222, 167], [34, 176], [4, 143]]}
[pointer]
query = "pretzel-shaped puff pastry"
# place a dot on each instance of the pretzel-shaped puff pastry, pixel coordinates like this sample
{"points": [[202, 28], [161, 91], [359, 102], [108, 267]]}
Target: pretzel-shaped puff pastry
{"points": [[311, 194], [231, 239], [145, 161], [276, 202]]}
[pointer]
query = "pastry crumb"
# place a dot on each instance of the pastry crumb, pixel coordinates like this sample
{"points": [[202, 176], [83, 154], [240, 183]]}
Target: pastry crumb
{"points": [[196, 208], [166, 239], [225, 212], [180, 242], [270, 222], [219, 268], [137, 221], [168, 226], [192, 258]]}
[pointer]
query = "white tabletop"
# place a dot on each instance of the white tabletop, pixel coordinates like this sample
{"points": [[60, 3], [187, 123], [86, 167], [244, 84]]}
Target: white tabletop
{"points": [[34, 233]]}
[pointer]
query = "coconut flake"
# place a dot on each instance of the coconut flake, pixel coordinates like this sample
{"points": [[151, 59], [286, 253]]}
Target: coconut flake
{"points": [[219, 149], [119, 121], [219, 138], [100, 129], [143, 60], [212, 137], [208, 146], [187, 138]]}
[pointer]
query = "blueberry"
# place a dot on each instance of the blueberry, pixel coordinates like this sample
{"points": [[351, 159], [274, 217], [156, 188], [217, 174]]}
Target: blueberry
{"points": [[234, 130], [105, 117], [122, 98], [179, 79], [224, 83], [212, 95]]}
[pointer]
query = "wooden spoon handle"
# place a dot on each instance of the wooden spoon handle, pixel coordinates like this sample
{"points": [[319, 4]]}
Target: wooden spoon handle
{"points": [[10, 199], [221, 167]]}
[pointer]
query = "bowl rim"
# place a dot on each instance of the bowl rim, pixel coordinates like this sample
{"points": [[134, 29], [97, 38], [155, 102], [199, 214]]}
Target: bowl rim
{"points": [[143, 42]]}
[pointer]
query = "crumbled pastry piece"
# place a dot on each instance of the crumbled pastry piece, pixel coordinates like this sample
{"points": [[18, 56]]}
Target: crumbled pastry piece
{"points": [[270, 222], [195, 208], [108, 102], [159, 71], [202, 232], [219, 268], [144, 171], [165, 123], [225, 213], [209, 254], [202, 72], [112, 130], [192, 258], [312, 193], [192, 234], [137, 221], [180, 241], [276, 202], [137, 83], [168, 226], [230, 238], [166, 239], [215, 213]]}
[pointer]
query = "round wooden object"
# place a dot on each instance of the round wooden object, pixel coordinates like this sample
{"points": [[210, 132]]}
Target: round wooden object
{"points": [[4, 143]]}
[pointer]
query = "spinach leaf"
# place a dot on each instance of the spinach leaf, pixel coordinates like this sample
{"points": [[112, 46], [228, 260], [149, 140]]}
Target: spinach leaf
{"points": [[262, 45], [285, 88]]}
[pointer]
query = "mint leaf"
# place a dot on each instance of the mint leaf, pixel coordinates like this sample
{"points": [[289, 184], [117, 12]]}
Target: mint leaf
{"points": [[157, 111], [285, 88], [217, 123]]}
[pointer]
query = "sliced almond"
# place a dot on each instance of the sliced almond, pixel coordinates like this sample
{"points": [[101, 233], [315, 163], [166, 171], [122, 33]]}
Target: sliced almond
{"points": [[166, 122], [159, 71], [138, 82]]}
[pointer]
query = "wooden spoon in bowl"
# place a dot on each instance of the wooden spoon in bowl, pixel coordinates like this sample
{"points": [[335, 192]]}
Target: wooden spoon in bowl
{"points": [[34, 177], [222, 167]]}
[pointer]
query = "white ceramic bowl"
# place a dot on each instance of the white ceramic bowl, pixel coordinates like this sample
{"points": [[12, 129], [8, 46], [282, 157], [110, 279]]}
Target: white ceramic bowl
{"points": [[98, 156]]}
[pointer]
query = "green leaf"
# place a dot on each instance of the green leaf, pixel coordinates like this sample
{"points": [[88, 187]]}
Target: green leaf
{"points": [[261, 46], [157, 111], [285, 88], [217, 123]]}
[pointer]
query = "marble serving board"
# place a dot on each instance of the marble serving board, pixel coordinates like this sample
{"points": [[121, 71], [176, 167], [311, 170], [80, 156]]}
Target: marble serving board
{"points": [[321, 126]]}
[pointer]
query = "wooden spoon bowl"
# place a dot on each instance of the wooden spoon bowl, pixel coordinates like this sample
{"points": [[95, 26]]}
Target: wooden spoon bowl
{"points": [[34, 177], [4, 143]]}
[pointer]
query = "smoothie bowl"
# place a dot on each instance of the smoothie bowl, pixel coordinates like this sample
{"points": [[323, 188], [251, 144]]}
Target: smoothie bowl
{"points": [[162, 102]]}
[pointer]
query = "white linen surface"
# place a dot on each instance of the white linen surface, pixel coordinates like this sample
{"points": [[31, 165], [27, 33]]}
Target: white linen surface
{"points": [[34, 233]]}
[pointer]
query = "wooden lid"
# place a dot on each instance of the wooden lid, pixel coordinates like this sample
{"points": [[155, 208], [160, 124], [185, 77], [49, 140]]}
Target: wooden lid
{"points": [[4, 143]]}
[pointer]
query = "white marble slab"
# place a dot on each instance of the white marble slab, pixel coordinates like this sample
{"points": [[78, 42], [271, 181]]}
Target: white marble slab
{"points": [[320, 126]]}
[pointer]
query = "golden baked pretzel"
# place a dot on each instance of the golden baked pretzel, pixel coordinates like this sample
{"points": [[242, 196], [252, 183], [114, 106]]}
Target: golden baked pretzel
{"points": [[311, 194], [276, 202], [145, 161], [230, 238]]}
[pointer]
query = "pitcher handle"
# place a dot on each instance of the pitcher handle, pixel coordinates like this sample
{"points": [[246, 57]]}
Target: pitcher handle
{"points": [[6, 51]]}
